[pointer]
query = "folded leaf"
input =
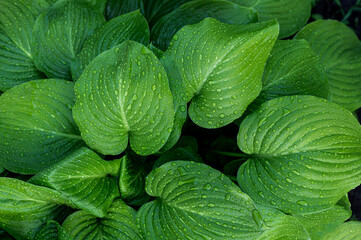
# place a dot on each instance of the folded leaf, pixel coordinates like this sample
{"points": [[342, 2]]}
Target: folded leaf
{"points": [[292, 69], [220, 66], [36, 125], [123, 95], [193, 12], [52, 231], [292, 15], [24, 207], [119, 223], [86, 179], [340, 52], [131, 26], [305, 154], [346, 231], [69, 20], [192, 199], [119, 7]]}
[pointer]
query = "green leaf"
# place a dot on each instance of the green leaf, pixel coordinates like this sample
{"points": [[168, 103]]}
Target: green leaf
{"points": [[119, 7], [119, 223], [52, 231], [292, 15], [25, 207], [220, 66], [123, 95], [305, 154], [86, 179], [69, 20], [340, 52], [192, 199], [193, 12], [133, 170], [131, 26], [318, 223], [36, 125], [292, 68], [346, 231]]}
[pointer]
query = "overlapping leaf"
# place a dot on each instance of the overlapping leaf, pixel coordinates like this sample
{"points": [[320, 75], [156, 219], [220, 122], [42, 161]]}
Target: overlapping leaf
{"points": [[123, 95], [340, 53], [193, 12], [119, 223], [16, 24], [292, 15], [305, 154], [36, 125], [131, 26], [192, 199], [25, 207], [219, 68], [86, 179], [119, 7], [69, 20]]}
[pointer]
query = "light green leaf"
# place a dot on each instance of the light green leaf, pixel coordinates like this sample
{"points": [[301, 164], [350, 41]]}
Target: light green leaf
{"points": [[318, 223], [52, 231], [131, 26], [220, 66], [119, 223], [119, 7], [340, 52], [305, 154], [25, 207], [69, 20], [193, 12], [36, 125], [292, 15], [133, 170], [123, 95], [292, 68], [192, 199], [346, 231], [86, 179]]}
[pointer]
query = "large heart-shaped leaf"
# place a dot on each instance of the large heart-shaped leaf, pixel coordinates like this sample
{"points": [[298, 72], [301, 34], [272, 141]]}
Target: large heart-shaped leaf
{"points": [[119, 7], [292, 68], [69, 20], [119, 223], [305, 154], [16, 24], [340, 53], [192, 199], [86, 179], [193, 12], [24, 207], [220, 66], [36, 125], [123, 95], [131, 26], [292, 15]]}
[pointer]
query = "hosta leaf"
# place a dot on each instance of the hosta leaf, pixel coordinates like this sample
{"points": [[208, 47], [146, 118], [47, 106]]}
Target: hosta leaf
{"points": [[292, 15], [346, 231], [131, 26], [193, 12], [192, 199], [318, 223], [220, 66], [119, 223], [123, 95], [119, 7], [340, 53], [305, 154], [69, 20], [36, 125], [25, 207], [52, 231], [293, 68], [133, 171], [86, 179]]}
